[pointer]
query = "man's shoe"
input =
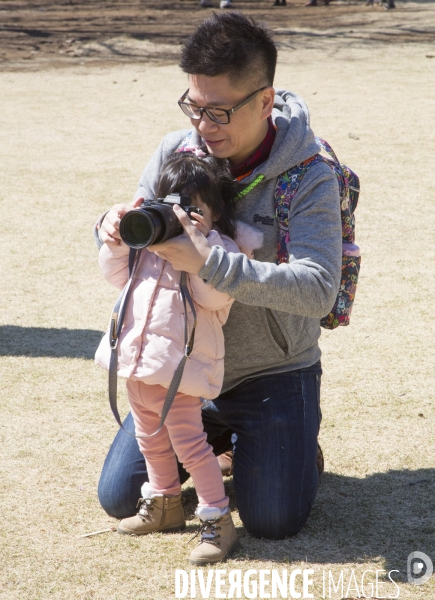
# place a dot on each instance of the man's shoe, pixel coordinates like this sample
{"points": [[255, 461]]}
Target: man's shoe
{"points": [[225, 461], [156, 513], [218, 536], [206, 4], [311, 3], [225, 4]]}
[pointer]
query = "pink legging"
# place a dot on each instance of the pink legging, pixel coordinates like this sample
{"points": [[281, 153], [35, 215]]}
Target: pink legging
{"points": [[182, 436]]}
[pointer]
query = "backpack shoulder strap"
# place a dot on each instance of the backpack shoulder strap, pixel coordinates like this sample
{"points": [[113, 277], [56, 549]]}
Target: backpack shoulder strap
{"points": [[286, 188], [349, 187]]}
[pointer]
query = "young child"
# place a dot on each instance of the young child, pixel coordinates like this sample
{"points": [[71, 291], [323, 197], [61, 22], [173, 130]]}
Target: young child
{"points": [[151, 345]]}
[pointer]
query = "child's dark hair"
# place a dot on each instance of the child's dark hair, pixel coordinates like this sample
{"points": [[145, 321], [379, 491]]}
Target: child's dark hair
{"points": [[207, 177]]}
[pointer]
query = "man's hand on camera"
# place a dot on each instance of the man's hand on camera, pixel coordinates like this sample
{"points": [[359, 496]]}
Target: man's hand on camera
{"points": [[187, 252], [108, 231]]}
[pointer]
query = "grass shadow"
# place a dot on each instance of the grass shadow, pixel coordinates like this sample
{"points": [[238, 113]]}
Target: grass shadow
{"points": [[384, 516], [46, 341]]}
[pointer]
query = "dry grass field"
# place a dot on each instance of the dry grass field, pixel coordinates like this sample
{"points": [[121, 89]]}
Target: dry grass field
{"points": [[73, 141]]}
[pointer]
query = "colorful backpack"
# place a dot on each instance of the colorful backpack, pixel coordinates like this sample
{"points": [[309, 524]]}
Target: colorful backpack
{"points": [[348, 182]]}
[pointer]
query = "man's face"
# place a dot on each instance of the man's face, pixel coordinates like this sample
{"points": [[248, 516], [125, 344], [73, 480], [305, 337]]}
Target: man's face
{"points": [[239, 138]]}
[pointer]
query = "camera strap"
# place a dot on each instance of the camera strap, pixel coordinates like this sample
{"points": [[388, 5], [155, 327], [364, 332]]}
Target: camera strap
{"points": [[116, 323]]}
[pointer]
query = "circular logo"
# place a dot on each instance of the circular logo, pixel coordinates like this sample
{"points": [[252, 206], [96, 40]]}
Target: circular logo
{"points": [[419, 568]]}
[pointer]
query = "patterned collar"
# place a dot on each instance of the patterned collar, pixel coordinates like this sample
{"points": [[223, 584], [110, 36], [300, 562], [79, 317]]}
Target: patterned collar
{"points": [[260, 155]]}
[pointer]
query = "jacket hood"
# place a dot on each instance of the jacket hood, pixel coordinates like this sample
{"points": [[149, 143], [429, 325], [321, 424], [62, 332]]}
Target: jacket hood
{"points": [[248, 238], [294, 141]]}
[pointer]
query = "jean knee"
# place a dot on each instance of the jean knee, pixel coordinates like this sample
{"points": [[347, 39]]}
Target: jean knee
{"points": [[120, 484], [108, 504], [274, 525], [117, 500]]}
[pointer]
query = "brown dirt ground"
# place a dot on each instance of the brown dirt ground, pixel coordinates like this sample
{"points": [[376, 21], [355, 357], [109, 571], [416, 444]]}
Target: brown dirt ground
{"points": [[37, 34]]}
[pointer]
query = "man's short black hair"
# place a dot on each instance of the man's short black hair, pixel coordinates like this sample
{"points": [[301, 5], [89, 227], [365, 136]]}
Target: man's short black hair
{"points": [[229, 43]]}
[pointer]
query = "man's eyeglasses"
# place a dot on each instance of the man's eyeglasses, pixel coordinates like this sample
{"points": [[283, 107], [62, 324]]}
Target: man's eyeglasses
{"points": [[218, 115]]}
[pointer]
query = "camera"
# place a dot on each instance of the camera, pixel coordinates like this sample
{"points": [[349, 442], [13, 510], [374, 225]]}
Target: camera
{"points": [[154, 221]]}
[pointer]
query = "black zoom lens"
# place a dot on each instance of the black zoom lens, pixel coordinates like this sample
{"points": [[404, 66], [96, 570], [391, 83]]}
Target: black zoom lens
{"points": [[150, 225], [139, 229]]}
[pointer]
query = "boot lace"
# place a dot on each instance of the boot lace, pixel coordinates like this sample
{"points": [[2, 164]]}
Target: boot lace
{"points": [[145, 506], [208, 532]]}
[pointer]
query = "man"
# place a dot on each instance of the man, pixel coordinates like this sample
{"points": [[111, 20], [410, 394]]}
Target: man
{"points": [[270, 402]]}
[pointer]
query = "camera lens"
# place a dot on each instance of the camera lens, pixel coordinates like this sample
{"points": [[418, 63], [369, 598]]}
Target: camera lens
{"points": [[140, 228]]}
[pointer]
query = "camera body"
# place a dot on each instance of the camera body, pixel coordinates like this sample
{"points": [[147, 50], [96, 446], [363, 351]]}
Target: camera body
{"points": [[154, 221]]}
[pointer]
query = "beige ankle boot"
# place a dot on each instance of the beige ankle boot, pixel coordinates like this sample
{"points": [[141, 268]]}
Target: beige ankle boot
{"points": [[218, 536], [156, 513]]}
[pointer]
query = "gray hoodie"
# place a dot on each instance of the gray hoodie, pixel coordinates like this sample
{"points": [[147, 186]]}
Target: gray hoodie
{"points": [[274, 324]]}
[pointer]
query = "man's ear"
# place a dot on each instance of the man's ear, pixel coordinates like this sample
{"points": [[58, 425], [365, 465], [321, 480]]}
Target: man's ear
{"points": [[267, 99]]}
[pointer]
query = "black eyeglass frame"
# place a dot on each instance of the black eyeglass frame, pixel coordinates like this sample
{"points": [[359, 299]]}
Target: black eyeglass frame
{"points": [[227, 111]]}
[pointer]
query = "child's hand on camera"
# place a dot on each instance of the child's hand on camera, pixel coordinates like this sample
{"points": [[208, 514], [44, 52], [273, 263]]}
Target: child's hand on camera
{"points": [[108, 230], [200, 223]]}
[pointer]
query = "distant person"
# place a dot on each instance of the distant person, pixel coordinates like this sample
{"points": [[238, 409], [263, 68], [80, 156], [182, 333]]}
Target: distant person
{"points": [[388, 3], [222, 4], [314, 3]]}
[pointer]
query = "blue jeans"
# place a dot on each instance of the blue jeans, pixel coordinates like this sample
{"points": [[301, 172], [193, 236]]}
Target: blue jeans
{"points": [[276, 421]]}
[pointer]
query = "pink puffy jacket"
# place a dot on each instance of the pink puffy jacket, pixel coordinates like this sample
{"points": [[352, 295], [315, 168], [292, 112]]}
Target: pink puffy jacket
{"points": [[151, 343]]}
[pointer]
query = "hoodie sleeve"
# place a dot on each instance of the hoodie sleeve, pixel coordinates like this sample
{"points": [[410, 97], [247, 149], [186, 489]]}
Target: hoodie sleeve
{"points": [[308, 284], [205, 294]]}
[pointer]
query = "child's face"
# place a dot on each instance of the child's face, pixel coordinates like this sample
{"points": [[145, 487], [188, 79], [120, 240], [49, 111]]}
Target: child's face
{"points": [[208, 214]]}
